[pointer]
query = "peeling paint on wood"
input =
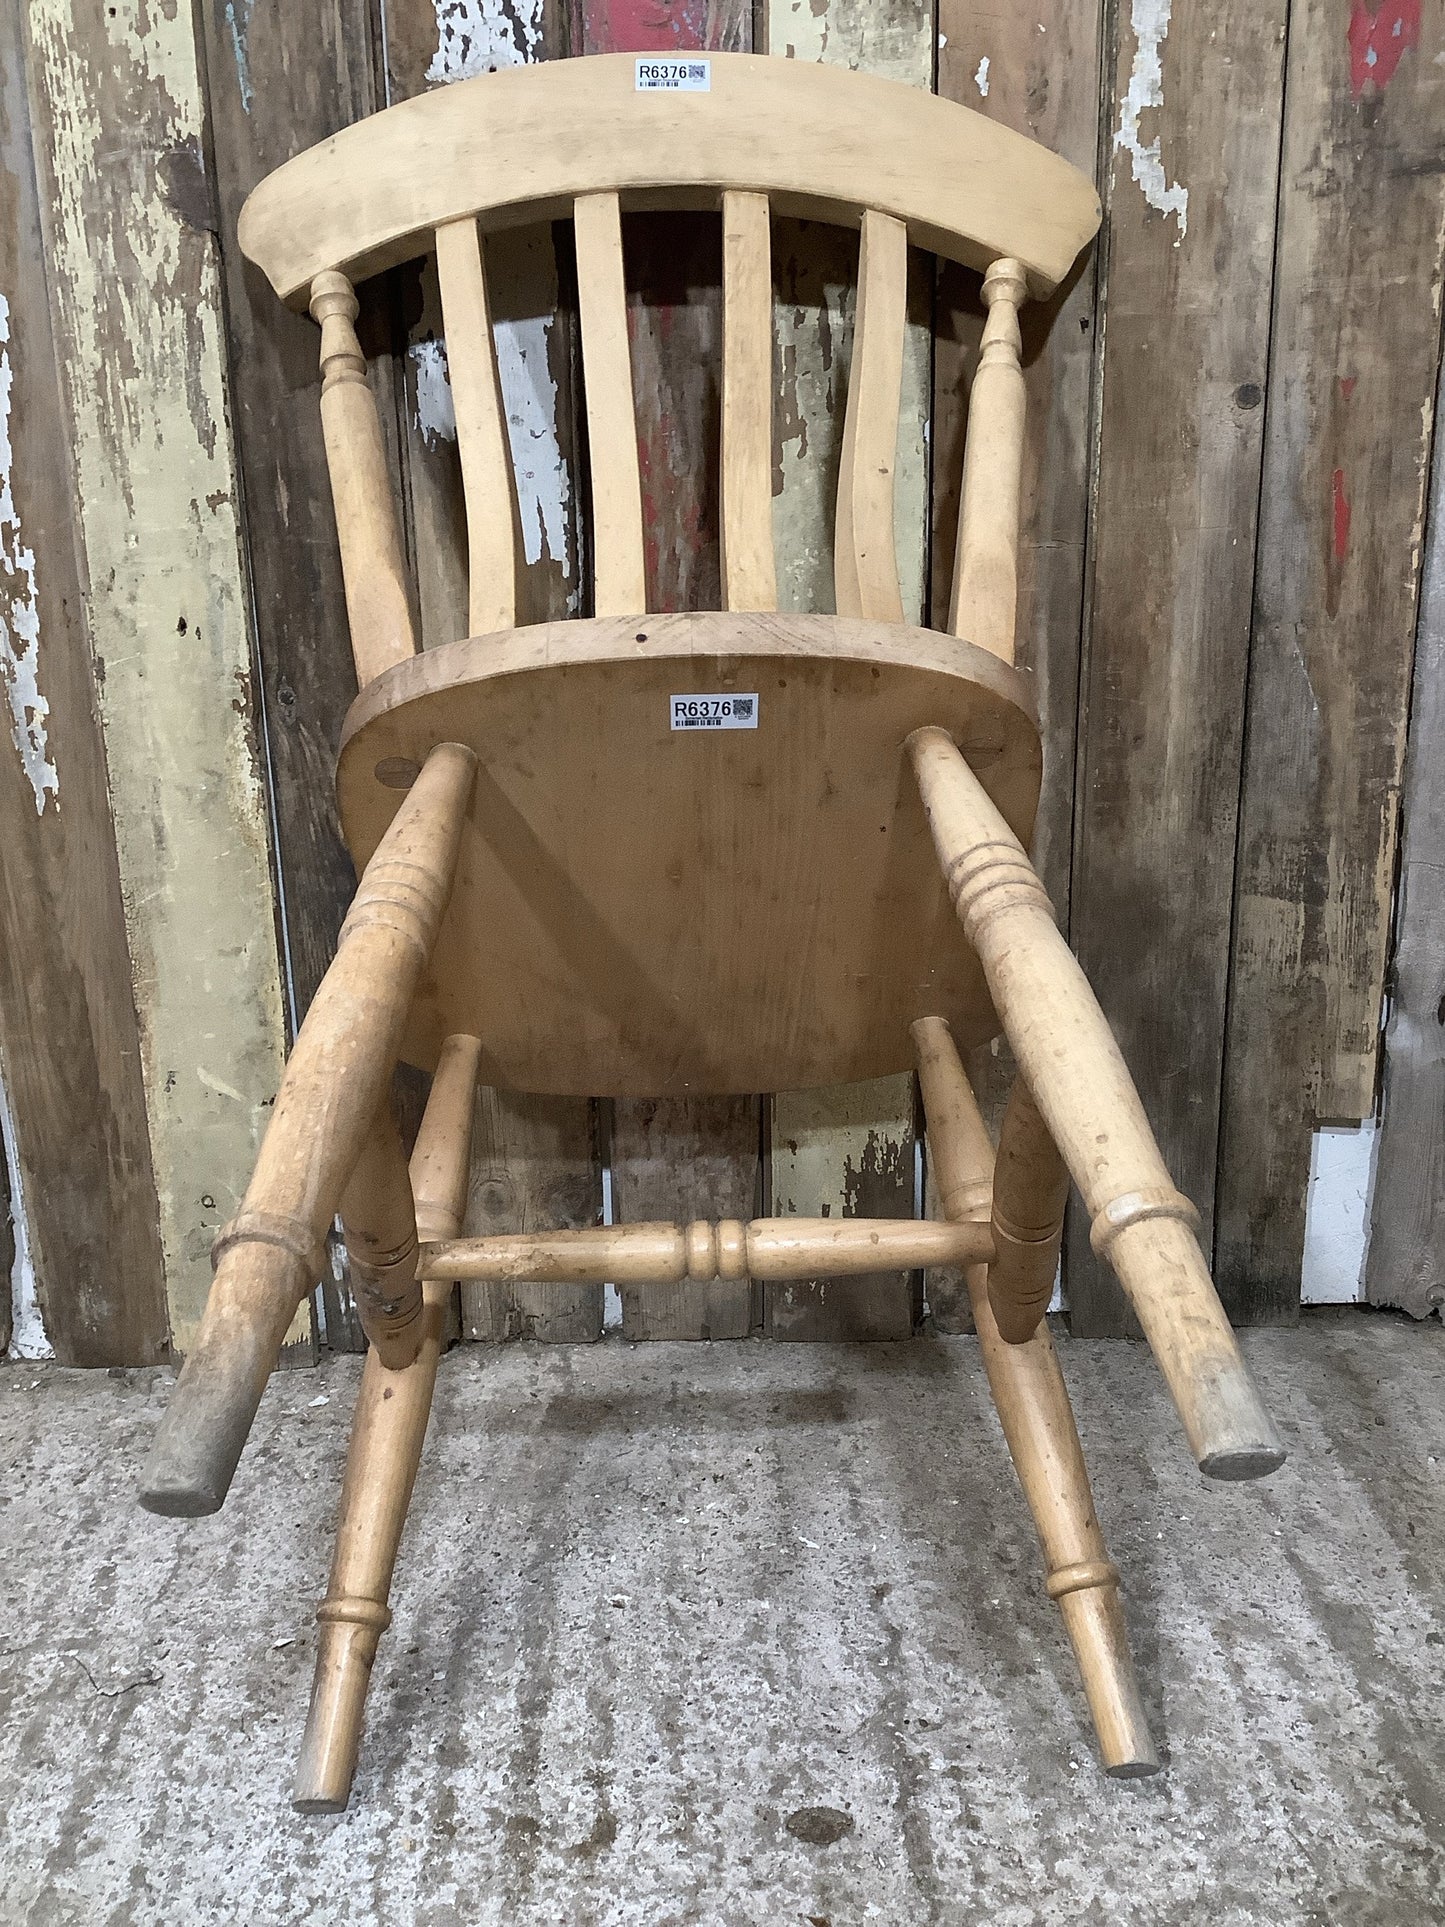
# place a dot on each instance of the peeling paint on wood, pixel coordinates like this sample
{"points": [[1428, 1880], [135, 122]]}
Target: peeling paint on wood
{"points": [[79, 1137], [479, 36], [21, 1326], [137, 301], [20, 611], [844, 1153], [1149, 23]]}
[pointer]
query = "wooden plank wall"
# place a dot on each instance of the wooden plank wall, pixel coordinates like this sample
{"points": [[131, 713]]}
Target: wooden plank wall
{"points": [[1230, 432], [1407, 1249]]}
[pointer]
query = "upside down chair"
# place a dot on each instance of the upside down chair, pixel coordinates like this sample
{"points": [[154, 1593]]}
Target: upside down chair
{"points": [[666, 854]]}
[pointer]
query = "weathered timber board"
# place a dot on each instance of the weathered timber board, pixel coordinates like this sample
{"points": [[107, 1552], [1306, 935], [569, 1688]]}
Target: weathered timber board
{"points": [[69, 1048], [859, 1141], [279, 80], [1037, 72], [531, 1156], [684, 1157], [529, 1173], [1193, 127], [1406, 1264], [133, 267], [1352, 376]]}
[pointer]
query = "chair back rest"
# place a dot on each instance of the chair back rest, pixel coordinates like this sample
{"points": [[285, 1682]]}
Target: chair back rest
{"points": [[744, 135]]}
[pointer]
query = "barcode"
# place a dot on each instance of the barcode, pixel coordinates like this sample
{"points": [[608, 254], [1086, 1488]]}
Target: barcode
{"points": [[673, 76], [714, 712]]}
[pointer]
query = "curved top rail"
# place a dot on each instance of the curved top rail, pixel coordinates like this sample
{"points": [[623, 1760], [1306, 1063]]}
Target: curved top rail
{"points": [[521, 144]]}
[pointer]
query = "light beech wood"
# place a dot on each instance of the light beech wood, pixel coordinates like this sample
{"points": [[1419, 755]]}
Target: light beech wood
{"points": [[493, 538], [1038, 1423], [388, 1430], [865, 559], [524, 143], [378, 607], [273, 1251], [619, 580], [749, 574], [1067, 1052], [666, 1254], [985, 573], [378, 1219], [649, 912], [1030, 1190]]}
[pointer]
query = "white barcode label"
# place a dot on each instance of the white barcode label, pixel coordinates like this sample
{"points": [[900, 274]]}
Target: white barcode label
{"points": [[657, 75], [714, 712]]}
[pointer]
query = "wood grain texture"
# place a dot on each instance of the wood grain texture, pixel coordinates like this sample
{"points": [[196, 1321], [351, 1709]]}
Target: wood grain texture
{"points": [[619, 585], [1081, 1087], [815, 273], [493, 544], [749, 573], [133, 271], [531, 1154], [69, 1049], [633, 900], [675, 323], [1406, 1263], [1352, 376], [865, 555], [967, 188], [1190, 238]]}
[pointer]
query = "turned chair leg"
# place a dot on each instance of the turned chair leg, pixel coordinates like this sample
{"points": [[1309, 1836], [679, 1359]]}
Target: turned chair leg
{"points": [[272, 1252], [1038, 1423], [388, 1429], [1085, 1096]]}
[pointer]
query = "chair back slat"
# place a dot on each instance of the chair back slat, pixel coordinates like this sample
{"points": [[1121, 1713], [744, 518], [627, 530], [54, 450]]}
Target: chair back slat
{"points": [[865, 563], [378, 607], [749, 574], [985, 572], [619, 582], [492, 544]]}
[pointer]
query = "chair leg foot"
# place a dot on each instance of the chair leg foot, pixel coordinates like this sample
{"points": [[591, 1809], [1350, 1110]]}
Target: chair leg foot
{"points": [[1038, 1423], [392, 1409], [345, 1652], [387, 1433]]}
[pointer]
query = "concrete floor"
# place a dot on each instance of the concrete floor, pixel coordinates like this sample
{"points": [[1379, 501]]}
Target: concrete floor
{"points": [[657, 1602]]}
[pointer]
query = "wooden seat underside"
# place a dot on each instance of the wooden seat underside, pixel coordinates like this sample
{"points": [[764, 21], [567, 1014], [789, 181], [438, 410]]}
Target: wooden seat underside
{"points": [[646, 910]]}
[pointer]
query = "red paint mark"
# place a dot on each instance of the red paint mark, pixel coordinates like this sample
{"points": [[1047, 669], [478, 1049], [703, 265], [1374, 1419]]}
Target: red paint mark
{"points": [[645, 26], [1347, 385], [1342, 513], [1378, 42]]}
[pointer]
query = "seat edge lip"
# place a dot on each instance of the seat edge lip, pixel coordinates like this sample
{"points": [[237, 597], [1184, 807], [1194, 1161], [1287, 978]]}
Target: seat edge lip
{"points": [[580, 642]]}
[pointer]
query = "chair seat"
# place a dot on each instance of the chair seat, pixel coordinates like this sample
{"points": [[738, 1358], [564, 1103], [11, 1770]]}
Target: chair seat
{"points": [[654, 899]]}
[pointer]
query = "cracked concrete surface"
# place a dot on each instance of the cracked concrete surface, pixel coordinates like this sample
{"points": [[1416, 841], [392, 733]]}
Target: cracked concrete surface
{"points": [[733, 1634]]}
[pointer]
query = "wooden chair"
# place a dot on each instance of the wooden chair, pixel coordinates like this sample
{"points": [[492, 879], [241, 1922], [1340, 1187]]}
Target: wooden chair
{"points": [[563, 891]]}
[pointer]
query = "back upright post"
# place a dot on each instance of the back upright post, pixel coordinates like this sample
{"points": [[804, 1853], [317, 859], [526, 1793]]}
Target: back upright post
{"points": [[985, 573], [378, 607]]}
